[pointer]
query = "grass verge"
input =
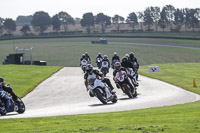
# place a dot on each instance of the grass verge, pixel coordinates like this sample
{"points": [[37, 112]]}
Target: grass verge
{"points": [[177, 118], [24, 78]]}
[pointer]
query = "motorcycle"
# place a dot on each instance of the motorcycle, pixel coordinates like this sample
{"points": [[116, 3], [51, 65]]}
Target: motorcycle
{"points": [[113, 63], [98, 61], [133, 76], [104, 67], [124, 82], [7, 104], [84, 63], [101, 91], [136, 66]]}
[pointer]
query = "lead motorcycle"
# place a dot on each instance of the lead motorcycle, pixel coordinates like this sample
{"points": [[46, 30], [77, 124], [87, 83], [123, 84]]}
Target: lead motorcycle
{"points": [[122, 79], [7, 104], [101, 91]]}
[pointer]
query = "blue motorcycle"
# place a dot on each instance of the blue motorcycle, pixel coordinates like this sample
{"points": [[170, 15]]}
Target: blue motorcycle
{"points": [[7, 104]]}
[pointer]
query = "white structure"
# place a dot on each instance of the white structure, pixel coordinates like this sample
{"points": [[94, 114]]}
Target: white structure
{"points": [[31, 57]]}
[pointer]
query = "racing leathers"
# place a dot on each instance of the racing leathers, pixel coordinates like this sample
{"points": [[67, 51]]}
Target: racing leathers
{"points": [[97, 73], [119, 84]]}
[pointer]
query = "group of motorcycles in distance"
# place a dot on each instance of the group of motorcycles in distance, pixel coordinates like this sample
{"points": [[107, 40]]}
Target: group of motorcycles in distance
{"points": [[125, 79]]}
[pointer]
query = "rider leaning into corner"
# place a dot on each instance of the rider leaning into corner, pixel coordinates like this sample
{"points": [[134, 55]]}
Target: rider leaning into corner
{"points": [[90, 73], [7, 88], [127, 64], [4, 87], [118, 68]]}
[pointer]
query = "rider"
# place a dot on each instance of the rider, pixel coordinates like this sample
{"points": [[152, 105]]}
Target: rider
{"points": [[115, 57], [95, 73], [4, 87], [99, 56], [133, 59], [83, 57], [127, 64], [105, 58], [117, 68], [88, 57]]}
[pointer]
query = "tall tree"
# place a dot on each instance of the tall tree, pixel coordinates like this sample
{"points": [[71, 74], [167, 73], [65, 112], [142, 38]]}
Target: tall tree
{"points": [[163, 20], [55, 21], [141, 18], [118, 21], [169, 9], [25, 29], [155, 16], [1, 25], [132, 20], [148, 18], [103, 20], [65, 19], [178, 19], [192, 18], [41, 21], [87, 21], [9, 25]]}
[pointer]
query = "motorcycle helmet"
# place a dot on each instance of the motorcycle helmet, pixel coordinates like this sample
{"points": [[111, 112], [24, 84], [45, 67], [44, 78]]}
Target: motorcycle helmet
{"points": [[99, 53], [131, 55], [117, 66], [1, 80], [115, 53], [105, 57], [89, 68], [83, 56], [86, 54], [124, 59], [127, 55]]}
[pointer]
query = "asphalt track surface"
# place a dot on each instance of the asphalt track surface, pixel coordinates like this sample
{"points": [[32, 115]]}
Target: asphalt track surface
{"points": [[64, 93]]}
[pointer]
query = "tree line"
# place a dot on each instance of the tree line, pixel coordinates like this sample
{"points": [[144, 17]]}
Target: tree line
{"points": [[168, 16]]}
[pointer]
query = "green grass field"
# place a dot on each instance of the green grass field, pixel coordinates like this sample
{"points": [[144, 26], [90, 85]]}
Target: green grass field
{"points": [[24, 79], [67, 52], [177, 118]]}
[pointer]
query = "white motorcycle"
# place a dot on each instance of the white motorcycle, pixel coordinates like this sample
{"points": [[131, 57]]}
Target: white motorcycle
{"points": [[132, 74], [84, 63], [101, 91], [104, 67]]}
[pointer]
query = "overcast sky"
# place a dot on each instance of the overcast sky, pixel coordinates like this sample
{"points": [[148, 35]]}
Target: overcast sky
{"points": [[76, 8]]}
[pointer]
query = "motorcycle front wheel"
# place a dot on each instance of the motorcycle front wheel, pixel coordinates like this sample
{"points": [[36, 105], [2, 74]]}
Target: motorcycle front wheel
{"points": [[100, 96]]}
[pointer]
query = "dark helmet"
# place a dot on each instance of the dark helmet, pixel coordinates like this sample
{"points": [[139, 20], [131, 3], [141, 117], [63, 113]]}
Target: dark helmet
{"points": [[124, 59], [83, 55], [1, 80], [105, 57], [86, 54], [131, 55], [89, 68], [117, 66]]}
